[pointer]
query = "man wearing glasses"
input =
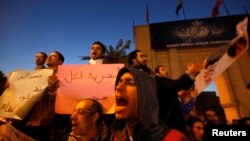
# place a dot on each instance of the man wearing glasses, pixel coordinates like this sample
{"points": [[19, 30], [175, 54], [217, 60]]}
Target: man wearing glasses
{"points": [[86, 121]]}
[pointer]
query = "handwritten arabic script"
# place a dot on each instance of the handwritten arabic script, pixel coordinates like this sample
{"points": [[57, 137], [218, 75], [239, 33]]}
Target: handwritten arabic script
{"points": [[25, 88], [7, 107], [85, 81], [96, 77], [29, 76]]}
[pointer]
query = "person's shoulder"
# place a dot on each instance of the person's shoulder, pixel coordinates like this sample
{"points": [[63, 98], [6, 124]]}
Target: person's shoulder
{"points": [[162, 79]]}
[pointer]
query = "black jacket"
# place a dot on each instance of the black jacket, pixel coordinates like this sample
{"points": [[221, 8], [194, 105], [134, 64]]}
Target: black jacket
{"points": [[170, 111]]}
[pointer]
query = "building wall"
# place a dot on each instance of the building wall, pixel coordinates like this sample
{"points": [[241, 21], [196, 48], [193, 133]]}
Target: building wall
{"points": [[231, 85]]}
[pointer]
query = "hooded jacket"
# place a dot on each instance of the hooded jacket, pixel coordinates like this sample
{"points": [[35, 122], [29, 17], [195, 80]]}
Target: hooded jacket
{"points": [[147, 127]]}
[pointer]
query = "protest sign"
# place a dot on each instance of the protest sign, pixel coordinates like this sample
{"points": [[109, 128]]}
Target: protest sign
{"points": [[25, 89], [86, 81], [223, 57]]}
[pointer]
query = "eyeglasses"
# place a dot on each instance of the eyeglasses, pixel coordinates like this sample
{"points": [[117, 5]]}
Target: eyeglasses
{"points": [[82, 112]]}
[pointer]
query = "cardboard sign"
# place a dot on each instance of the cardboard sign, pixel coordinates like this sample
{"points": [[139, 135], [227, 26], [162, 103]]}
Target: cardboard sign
{"points": [[86, 81], [25, 89]]}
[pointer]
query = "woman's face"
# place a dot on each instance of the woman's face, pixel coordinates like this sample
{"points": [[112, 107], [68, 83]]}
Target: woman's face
{"points": [[126, 107]]}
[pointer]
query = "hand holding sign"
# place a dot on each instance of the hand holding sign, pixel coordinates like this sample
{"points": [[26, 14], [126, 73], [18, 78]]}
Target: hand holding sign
{"points": [[24, 90]]}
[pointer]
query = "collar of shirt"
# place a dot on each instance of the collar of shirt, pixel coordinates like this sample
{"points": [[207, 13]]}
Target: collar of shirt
{"points": [[98, 61]]}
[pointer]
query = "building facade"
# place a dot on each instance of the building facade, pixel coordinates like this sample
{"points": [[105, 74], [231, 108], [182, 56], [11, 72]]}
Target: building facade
{"points": [[197, 40]]}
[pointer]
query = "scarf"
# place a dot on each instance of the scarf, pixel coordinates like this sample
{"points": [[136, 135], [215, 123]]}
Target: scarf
{"points": [[98, 61]]}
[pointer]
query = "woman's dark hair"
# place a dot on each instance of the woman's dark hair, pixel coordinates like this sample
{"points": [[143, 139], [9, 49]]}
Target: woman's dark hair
{"points": [[192, 119]]}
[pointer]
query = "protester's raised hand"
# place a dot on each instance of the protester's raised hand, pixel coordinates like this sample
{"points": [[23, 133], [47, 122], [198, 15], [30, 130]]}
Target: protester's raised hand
{"points": [[194, 68]]}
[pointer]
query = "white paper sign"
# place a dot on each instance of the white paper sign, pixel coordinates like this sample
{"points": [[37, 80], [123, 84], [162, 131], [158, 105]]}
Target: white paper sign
{"points": [[25, 89], [223, 57]]}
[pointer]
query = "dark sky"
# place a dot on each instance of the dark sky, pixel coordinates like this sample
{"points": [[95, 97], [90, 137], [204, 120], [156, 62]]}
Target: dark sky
{"points": [[71, 26]]}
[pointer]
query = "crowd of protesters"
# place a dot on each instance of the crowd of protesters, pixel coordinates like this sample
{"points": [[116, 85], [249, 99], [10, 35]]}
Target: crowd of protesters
{"points": [[149, 105]]}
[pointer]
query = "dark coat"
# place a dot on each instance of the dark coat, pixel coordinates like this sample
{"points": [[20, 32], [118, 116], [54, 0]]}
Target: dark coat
{"points": [[169, 107]]}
